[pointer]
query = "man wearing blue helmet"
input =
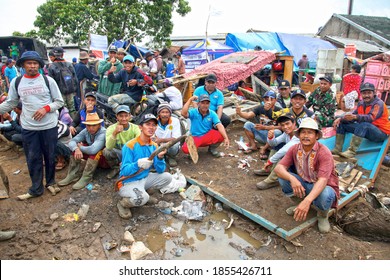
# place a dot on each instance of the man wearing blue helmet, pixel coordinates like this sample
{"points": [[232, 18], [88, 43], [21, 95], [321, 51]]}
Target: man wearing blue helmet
{"points": [[132, 79]]}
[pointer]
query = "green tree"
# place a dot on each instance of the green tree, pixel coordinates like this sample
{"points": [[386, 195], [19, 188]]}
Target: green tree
{"points": [[73, 20]]}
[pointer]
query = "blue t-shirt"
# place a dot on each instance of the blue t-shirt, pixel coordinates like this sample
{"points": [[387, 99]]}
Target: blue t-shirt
{"points": [[10, 73], [201, 125], [216, 97]]}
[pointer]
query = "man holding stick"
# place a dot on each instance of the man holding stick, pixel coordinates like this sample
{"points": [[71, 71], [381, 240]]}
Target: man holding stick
{"points": [[136, 160]]}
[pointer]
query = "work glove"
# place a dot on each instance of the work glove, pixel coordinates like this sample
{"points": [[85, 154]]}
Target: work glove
{"points": [[144, 163]]}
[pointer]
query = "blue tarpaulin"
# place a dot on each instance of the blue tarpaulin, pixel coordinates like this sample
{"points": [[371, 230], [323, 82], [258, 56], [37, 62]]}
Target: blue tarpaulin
{"points": [[292, 44], [210, 45], [132, 49]]}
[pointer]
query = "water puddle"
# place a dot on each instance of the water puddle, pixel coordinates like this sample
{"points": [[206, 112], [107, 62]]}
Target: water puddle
{"points": [[200, 240]]}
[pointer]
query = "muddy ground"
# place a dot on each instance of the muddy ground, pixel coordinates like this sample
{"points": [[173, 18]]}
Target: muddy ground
{"points": [[167, 236]]}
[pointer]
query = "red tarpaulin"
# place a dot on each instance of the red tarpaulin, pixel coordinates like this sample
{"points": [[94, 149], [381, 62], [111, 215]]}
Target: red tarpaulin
{"points": [[232, 68]]}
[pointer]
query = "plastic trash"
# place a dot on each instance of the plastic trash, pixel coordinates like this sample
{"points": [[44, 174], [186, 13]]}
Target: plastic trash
{"points": [[178, 181], [82, 213], [191, 210], [218, 207], [89, 186]]}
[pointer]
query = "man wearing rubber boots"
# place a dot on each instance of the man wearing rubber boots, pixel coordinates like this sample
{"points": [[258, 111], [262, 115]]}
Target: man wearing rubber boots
{"points": [[135, 162], [288, 139], [369, 120], [88, 145], [315, 181]]}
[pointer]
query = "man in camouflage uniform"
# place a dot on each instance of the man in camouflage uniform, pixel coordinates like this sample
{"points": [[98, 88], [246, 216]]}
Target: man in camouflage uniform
{"points": [[323, 102]]}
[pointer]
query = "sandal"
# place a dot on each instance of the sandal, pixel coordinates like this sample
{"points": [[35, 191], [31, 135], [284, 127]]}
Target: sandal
{"points": [[60, 166], [263, 154], [250, 150]]}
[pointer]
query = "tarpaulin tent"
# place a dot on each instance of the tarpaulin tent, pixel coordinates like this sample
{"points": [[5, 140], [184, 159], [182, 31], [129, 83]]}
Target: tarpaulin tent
{"points": [[292, 44], [133, 50], [204, 51]]}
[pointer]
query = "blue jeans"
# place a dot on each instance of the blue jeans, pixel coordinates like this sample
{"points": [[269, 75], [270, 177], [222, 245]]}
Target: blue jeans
{"points": [[40, 145], [323, 202], [364, 130], [260, 135]]}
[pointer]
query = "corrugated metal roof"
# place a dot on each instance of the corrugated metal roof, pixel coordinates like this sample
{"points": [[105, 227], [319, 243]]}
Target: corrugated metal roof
{"points": [[360, 45], [378, 25]]}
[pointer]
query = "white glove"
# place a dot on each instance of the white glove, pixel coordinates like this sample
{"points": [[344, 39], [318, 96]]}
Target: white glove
{"points": [[144, 163]]}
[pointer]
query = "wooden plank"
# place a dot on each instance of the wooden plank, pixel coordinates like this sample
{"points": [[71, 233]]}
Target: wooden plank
{"points": [[348, 180]]}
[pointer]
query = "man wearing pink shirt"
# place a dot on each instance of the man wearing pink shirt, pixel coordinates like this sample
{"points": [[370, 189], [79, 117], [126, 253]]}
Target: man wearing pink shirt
{"points": [[314, 181]]}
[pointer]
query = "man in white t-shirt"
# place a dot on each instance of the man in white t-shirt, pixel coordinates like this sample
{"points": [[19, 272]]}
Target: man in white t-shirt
{"points": [[168, 128]]}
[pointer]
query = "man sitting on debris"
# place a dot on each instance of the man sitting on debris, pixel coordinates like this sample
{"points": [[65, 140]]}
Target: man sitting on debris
{"points": [[168, 129], [259, 131], [203, 121], [88, 145], [216, 98], [369, 120], [117, 135], [133, 79], [284, 98], [88, 108], [298, 109], [288, 139], [315, 182], [323, 102], [135, 161]]}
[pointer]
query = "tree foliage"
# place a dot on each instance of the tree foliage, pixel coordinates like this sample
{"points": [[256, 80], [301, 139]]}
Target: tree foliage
{"points": [[73, 20]]}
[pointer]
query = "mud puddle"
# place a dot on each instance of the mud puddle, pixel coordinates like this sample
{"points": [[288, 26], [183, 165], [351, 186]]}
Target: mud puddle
{"points": [[201, 240]]}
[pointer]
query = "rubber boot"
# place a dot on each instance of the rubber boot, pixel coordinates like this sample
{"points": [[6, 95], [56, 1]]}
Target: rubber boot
{"points": [[290, 210], [355, 143], [213, 150], [339, 144], [73, 174], [5, 235], [270, 182], [86, 178], [171, 160], [124, 206], [323, 223]]}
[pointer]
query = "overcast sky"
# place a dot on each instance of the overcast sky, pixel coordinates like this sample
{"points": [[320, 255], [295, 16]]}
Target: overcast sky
{"points": [[289, 16]]}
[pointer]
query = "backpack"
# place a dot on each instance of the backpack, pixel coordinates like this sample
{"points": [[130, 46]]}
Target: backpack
{"points": [[64, 77], [18, 79]]}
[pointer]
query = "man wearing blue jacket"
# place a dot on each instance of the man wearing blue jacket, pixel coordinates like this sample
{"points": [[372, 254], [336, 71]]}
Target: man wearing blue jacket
{"points": [[132, 78], [135, 160]]}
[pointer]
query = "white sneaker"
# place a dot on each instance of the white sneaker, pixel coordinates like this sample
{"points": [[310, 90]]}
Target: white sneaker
{"points": [[25, 196]]}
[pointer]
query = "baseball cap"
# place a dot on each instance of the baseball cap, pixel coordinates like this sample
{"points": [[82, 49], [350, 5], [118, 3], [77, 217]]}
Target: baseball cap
{"points": [[74, 59], [147, 117], [204, 97], [270, 93], [327, 78], [128, 58], [143, 61], [58, 51], [90, 93], [211, 77], [284, 117], [122, 108], [309, 123], [113, 49], [148, 54], [298, 92], [284, 84], [367, 86]]}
